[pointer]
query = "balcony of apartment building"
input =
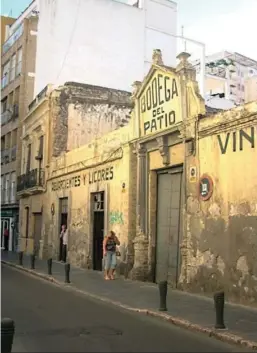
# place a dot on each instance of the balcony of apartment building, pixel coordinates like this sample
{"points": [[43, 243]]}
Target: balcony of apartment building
{"points": [[30, 183]]}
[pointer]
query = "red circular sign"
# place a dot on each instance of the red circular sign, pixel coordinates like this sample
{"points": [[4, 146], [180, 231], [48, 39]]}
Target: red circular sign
{"points": [[205, 187]]}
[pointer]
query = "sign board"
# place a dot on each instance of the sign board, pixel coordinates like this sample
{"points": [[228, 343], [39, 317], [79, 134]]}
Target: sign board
{"points": [[160, 103], [192, 175], [205, 187]]}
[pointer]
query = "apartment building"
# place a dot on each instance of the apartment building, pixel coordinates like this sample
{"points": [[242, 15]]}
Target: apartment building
{"points": [[17, 84], [227, 75], [251, 89], [107, 43]]}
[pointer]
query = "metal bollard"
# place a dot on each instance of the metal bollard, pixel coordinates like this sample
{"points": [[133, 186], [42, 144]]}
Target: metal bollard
{"points": [[32, 261], [21, 258], [7, 335], [67, 273], [219, 299], [49, 266], [163, 289]]}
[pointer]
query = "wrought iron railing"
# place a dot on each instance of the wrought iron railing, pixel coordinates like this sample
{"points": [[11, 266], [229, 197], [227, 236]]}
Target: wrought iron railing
{"points": [[35, 177]]}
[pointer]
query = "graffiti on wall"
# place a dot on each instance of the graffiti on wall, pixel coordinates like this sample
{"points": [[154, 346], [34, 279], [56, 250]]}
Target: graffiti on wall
{"points": [[116, 217]]}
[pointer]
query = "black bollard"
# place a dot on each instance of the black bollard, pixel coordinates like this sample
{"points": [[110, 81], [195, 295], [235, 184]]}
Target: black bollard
{"points": [[219, 299], [7, 335], [49, 266], [32, 261], [21, 258], [67, 273], [163, 289]]}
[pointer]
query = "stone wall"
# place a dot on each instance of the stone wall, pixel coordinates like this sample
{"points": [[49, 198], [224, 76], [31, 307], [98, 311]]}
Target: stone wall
{"points": [[81, 113]]}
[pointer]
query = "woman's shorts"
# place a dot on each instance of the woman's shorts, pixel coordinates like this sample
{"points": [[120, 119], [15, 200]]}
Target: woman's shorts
{"points": [[110, 260]]}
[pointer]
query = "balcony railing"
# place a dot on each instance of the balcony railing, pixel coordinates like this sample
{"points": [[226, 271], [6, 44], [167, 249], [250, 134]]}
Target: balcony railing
{"points": [[14, 37], [5, 156], [34, 178]]}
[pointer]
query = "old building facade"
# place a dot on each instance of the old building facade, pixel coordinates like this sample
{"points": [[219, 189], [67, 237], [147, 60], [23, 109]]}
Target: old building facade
{"points": [[177, 184], [17, 85], [196, 194], [60, 120]]}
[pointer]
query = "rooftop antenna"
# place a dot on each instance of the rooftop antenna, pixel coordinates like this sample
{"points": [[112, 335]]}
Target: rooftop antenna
{"points": [[182, 35]]}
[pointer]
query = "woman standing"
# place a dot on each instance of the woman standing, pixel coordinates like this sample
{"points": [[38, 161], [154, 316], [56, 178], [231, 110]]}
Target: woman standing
{"points": [[109, 251]]}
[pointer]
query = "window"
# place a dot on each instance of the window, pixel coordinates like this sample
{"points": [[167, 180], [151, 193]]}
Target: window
{"points": [[13, 188], [6, 72], [41, 147], [242, 88], [2, 188], [28, 158], [19, 61], [6, 189], [17, 95], [13, 65], [4, 105], [238, 86]]}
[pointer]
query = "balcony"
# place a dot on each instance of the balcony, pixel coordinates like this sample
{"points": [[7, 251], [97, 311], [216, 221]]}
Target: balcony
{"points": [[5, 156], [31, 183], [6, 117], [10, 114]]}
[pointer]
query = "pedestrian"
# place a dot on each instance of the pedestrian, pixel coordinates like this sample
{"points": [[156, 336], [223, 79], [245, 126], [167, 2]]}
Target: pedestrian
{"points": [[6, 238], [109, 251], [63, 227], [65, 244]]}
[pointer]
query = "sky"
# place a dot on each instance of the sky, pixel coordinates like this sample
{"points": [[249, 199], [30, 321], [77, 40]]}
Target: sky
{"points": [[221, 24]]}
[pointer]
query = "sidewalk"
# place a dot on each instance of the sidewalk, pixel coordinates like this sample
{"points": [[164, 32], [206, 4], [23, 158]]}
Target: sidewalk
{"points": [[194, 312]]}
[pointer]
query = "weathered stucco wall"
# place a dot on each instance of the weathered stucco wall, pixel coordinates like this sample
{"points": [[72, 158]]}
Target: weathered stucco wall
{"points": [[222, 231], [113, 154]]}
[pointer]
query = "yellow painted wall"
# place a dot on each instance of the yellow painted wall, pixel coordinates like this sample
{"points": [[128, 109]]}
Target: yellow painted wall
{"points": [[110, 152], [221, 244]]}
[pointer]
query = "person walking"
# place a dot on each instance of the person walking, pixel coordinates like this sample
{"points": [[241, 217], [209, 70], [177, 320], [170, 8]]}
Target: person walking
{"points": [[6, 238], [109, 251]]}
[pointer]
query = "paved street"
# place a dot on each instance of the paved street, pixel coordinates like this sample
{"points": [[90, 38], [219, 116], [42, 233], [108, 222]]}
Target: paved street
{"points": [[196, 309], [51, 319]]}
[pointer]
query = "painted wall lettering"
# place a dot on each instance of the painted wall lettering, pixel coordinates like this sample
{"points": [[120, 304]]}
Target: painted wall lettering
{"points": [[101, 175], [237, 140], [104, 174], [116, 217], [66, 183], [159, 104]]}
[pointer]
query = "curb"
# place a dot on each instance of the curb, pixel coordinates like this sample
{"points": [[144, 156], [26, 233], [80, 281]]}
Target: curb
{"points": [[220, 335]]}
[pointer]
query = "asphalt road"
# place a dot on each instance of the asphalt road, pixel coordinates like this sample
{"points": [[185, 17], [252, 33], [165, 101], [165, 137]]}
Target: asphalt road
{"points": [[52, 319]]}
